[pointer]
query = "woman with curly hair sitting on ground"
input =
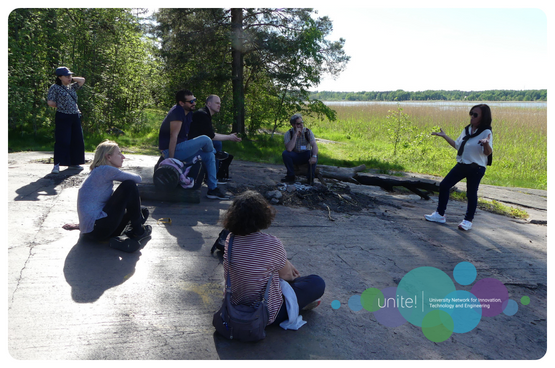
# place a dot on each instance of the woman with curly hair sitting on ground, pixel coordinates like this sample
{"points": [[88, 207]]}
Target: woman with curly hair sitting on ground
{"points": [[257, 256]]}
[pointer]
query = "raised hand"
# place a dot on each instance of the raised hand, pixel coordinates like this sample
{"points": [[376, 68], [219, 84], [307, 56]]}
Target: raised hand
{"points": [[441, 133], [481, 142]]}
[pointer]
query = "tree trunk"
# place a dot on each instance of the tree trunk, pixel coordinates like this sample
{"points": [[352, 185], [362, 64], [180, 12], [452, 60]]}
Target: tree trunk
{"points": [[237, 70]]}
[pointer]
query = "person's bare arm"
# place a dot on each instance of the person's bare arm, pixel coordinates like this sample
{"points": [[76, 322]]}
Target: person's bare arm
{"points": [[226, 137], [289, 146], [449, 140], [288, 272], [175, 127]]}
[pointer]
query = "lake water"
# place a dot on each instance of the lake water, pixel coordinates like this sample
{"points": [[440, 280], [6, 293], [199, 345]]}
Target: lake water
{"points": [[441, 104]]}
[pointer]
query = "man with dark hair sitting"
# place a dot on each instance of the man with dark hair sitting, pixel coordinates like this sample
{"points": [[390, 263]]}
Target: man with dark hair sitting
{"points": [[174, 141], [300, 149]]}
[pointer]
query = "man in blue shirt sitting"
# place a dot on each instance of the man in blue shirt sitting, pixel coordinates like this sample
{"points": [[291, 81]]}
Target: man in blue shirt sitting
{"points": [[173, 140]]}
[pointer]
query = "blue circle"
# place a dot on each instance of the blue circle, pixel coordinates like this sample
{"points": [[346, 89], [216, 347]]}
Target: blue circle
{"points": [[354, 303], [464, 308], [464, 273], [336, 304], [511, 307]]}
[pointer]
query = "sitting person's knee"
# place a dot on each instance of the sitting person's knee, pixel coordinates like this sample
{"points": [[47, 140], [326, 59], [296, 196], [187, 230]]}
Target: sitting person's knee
{"points": [[128, 185]]}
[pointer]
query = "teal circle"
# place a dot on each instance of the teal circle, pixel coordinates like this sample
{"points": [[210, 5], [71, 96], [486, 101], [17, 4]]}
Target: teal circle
{"points": [[355, 303], [417, 291], [510, 307], [464, 309], [336, 304], [464, 273]]}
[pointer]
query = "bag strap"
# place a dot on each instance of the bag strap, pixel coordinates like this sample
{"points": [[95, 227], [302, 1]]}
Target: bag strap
{"points": [[70, 95], [228, 283]]}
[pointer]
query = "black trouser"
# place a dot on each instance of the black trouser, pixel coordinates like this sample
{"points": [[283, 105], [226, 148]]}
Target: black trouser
{"points": [[473, 174], [124, 206], [69, 148]]}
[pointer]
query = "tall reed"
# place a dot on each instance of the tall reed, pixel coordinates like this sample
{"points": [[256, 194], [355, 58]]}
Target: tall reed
{"points": [[519, 141]]}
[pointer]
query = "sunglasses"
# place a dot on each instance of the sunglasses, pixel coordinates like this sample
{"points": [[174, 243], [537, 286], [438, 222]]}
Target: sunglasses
{"points": [[473, 114], [192, 101], [301, 123]]}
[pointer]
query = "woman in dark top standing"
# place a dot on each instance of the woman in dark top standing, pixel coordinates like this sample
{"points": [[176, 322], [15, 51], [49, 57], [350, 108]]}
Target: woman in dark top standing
{"points": [[69, 148], [474, 148]]}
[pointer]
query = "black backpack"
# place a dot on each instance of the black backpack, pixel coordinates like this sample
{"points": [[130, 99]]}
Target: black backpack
{"points": [[220, 242]]}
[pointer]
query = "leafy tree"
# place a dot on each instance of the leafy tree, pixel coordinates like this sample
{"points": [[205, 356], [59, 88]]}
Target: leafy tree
{"points": [[264, 60], [106, 46]]}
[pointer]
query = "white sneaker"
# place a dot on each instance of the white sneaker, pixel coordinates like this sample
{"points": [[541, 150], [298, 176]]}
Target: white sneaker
{"points": [[435, 217], [465, 225], [56, 169]]}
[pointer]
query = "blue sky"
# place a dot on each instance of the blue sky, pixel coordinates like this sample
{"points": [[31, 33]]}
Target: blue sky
{"points": [[432, 48], [425, 44]]}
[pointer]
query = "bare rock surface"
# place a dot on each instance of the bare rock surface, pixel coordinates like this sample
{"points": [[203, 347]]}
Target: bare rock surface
{"points": [[68, 299]]}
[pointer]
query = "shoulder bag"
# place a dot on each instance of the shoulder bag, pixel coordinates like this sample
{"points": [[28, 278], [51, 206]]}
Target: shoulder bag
{"points": [[241, 322]]}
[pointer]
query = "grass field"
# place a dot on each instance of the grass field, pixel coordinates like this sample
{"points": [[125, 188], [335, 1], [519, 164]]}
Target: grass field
{"points": [[362, 136], [519, 142]]}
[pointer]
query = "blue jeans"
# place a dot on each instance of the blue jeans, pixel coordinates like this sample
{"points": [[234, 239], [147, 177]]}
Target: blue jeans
{"points": [[218, 146], [290, 159], [307, 289], [473, 174], [202, 146]]}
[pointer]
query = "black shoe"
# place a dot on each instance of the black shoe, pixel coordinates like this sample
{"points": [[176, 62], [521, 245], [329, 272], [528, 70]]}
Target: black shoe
{"points": [[216, 193], [223, 181], [147, 230], [288, 179], [220, 156], [125, 244], [145, 212]]}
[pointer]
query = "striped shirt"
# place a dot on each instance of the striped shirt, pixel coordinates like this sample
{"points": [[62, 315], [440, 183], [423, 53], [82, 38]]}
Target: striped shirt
{"points": [[254, 258]]}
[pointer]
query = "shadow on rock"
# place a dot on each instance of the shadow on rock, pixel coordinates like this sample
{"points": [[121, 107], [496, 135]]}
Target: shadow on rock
{"points": [[46, 186], [279, 344], [91, 268]]}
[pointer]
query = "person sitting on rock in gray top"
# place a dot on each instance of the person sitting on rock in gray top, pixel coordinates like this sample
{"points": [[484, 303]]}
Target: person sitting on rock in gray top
{"points": [[300, 148]]}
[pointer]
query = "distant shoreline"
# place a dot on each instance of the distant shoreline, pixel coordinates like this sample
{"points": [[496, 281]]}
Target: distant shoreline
{"points": [[528, 104], [531, 95]]}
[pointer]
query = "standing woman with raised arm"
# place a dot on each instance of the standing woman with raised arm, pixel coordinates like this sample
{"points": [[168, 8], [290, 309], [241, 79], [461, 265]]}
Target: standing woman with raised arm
{"points": [[69, 148], [474, 150]]}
